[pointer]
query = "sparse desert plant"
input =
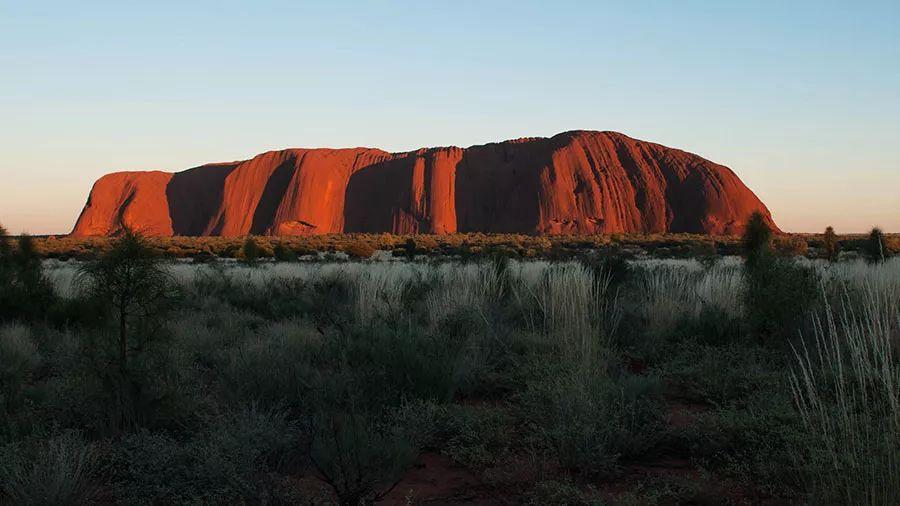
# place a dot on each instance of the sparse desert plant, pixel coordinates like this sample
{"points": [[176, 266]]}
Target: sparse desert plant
{"points": [[757, 239], [831, 248], [875, 248], [359, 456], [250, 251], [410, 249]]}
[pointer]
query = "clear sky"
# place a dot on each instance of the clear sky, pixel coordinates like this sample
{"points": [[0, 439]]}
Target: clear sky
{"points": [[801, 99]]}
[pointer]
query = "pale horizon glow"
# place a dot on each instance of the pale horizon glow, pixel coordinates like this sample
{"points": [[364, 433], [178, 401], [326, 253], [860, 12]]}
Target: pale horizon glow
{"points": [[800, 99]]}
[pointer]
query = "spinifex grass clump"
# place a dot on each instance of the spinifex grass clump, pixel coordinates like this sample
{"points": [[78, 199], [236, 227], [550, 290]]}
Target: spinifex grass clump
{"points": [[56, 470], [846, 385]]}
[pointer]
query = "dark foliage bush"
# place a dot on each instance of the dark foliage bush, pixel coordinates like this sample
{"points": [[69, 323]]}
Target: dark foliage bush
{"points": [[778, 295], [875, 247], [283, 253], [778, 292], [360, 456], [250, 251], [25, 294], [757, 239], [589, 420], [712, 326], [831, 248], [233, 460]]}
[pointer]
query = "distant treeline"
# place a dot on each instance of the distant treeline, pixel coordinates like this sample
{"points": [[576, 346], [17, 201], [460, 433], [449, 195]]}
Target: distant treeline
{"points": [[464, 245]]}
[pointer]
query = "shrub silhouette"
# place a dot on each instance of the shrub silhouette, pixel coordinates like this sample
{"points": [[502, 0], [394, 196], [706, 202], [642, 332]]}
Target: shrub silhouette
{"points": [[777, 291], [283, 253], [24, 291], [250, 251], [409, 249], [830, 246], [757, 239], [874, 248]]}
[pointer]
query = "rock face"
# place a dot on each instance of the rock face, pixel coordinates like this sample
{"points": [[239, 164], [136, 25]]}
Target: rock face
{"points": [[579, 182]]}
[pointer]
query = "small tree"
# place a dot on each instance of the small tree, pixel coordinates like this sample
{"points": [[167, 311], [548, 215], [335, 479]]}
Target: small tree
{"points": [[830, 246], [134, 286], [757, 239], [874, 247], [250, 251], [777, 291], [410, 249], [134, 289]]}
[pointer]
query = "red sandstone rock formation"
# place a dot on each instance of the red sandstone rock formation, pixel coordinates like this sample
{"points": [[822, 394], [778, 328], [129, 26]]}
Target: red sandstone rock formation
{"points": [[577, 182]]}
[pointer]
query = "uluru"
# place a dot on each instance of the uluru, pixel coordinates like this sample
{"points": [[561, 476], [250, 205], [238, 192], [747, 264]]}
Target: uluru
{"points": [[577, 182]]}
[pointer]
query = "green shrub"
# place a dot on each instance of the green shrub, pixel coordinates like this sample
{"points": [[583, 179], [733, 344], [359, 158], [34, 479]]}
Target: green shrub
{"points": [[234, 459], [712, 326], [589, 420], [393, 362], [476, 436], [778, 292], [273, 368], [359, 456], [719, 374], [754, 442]]}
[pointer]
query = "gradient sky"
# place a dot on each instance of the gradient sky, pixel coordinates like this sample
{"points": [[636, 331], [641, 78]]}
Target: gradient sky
{"points": [[801, 99]]}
